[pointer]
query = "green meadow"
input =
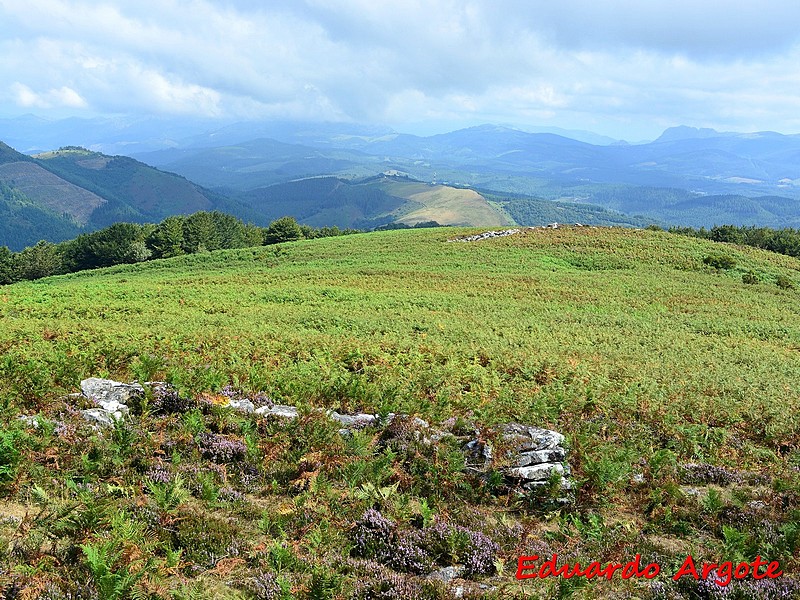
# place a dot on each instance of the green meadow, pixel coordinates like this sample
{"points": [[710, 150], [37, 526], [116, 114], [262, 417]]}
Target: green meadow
{"points": [[676, 384]]}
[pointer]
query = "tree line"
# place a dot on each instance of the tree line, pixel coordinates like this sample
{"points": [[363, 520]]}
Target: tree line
{"points": [[125, 243], [783, 241]]}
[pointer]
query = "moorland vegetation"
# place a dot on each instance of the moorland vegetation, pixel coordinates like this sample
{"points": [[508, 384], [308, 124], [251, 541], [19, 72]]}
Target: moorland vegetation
{"points": [[674, 380]]}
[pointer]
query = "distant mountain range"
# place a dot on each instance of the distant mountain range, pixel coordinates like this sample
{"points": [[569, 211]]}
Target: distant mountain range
{"points": [[57, 195], [365, 176], [687, 176]]}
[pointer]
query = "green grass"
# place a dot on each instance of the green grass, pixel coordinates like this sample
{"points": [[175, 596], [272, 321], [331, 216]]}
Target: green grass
{"points": [[624, 340]]}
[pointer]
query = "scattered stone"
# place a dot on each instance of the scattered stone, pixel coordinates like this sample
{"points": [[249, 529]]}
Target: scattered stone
{"points": [[541, 472], [102, 417], [527, 438], [108, 392], [357, 421], [479, 455], [447, 574], [536, 457], [638, 478], [12, 520], [487, 235]]}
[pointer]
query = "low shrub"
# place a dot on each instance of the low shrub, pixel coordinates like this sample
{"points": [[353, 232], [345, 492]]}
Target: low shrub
{"points": [[719, 261]]}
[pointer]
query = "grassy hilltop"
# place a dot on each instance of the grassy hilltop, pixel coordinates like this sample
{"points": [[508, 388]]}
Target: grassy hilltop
{"points": [[676, 384]]}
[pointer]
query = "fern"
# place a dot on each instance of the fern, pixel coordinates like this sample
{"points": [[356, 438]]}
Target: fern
{"points": [[169, 496]]}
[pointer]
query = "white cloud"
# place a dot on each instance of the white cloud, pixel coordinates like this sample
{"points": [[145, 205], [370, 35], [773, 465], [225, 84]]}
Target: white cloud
{"points": [[53, 98], [625, 68]]}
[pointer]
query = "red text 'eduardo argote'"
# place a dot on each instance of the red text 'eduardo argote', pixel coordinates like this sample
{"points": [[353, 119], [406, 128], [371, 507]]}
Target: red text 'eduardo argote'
{"points": [[723, 573]]}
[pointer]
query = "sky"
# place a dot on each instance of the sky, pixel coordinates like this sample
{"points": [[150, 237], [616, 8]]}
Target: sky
{"points": [[623, 68]]}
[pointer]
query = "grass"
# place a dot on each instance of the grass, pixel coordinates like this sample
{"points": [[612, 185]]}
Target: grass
{"points": [[645, 357], [446, 205]]}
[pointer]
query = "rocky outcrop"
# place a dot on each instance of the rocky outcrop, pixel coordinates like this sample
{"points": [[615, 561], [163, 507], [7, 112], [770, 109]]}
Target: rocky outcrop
{"points": [[111, 398], [528, 457], [487, 235]]}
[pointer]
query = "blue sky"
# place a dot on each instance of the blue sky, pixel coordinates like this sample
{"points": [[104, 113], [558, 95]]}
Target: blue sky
{"points": [[626, 68]]}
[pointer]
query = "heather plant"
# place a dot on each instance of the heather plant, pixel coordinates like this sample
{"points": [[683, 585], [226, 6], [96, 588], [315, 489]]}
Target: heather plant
{"points": [[166, 399], [268, 586], [688, 588], [207, 539], [448, 543], [415, 551], [221, 448], [372, 535], [703, 473]]}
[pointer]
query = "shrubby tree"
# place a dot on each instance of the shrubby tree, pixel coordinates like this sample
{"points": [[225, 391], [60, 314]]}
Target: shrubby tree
{"points": [[200, 233], [285, 229], [166, 240], [121, 243], [6, 266], [230, 230], [41, 260], [252, 236]]}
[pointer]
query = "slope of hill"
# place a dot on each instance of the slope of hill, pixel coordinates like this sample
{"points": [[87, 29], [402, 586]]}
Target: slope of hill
{"points": [[132, 186], [24, 222], [57, 194], [50, 191], [327, 201], [674, 382]]}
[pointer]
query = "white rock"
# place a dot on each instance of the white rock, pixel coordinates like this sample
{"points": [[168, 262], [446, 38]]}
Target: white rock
{"points": [[110, 395], [537, 457], [241, 404], [528, 438], [100, 416], [537, 472], [357, 421], [30, 420], [278, 410]]}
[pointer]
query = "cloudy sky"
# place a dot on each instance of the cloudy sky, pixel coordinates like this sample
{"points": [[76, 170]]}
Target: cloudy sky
{"points": [[624, 68]]}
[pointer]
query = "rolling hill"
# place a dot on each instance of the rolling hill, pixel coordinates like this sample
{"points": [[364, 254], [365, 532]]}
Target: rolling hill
{"points": [[675, 384]]}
